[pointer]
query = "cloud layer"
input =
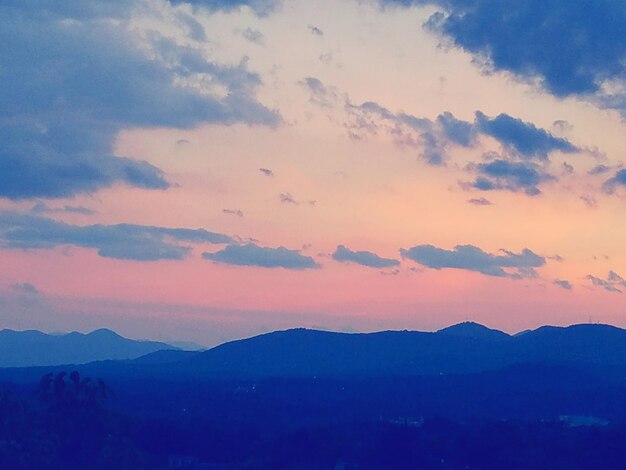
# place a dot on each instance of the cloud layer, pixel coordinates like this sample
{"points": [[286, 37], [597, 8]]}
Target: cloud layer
{"points": [[76, 74], [569, 48], [120, 241]]}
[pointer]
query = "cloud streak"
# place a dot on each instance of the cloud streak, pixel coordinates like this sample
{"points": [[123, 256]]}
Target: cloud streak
{"points": [[254, 255], [364, 258], [471, 258], [433, 137], [523, 138], [120, 241]]}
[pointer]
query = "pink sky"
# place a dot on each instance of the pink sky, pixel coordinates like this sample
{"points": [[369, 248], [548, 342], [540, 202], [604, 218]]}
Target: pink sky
{"points": [[339, 107]]}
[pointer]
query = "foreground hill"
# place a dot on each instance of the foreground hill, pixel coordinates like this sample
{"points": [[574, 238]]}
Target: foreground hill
{"points": [[34, 348]]}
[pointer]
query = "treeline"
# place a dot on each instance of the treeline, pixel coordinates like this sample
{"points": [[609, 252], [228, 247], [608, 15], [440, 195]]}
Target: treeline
{"points": [[69, 421]]}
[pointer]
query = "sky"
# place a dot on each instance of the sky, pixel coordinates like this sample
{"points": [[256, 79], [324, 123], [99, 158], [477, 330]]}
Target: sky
{"points": [[206, 170]]}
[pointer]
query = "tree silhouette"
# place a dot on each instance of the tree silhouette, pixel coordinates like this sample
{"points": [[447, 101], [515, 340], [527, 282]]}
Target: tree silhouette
{"points": [[62, 391]]}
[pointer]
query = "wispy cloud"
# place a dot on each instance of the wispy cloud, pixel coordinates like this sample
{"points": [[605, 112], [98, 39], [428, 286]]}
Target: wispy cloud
{"points": [[612, 283], [562, 283], [235, 212]]}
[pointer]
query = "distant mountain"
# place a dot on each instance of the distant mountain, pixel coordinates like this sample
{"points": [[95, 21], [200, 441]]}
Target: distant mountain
{"points": [[467, 348], [473, 330], [34, 348]]}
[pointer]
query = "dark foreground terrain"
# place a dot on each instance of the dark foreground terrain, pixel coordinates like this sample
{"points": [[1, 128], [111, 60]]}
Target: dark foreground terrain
{"points": [[466, 398]]}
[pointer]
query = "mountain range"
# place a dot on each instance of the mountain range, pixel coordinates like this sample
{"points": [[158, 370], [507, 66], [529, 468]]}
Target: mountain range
{"points": [[465, 348], [34, 348], [460, 349]]}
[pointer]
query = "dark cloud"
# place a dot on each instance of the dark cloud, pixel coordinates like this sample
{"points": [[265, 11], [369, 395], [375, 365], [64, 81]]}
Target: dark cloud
{"points": [[365, 258], [254, 255], [589, 201], [522, 137], [320, 94], [471, 258], [481, 201], [561, 125], [22, 296], [433, 137], [315, 30], [260, 7], [254, 36], [120, 241], [287, 198], [456, 130], [74, 76], [42, 208], [563, 284], [510, 176], [568, 169], [619, 179], [393, 272], [599, 170], [266, 171], [25, 288], [570, 47], [613, 282], [236, 212], [326, 57], [614, 277], [407, 130]]}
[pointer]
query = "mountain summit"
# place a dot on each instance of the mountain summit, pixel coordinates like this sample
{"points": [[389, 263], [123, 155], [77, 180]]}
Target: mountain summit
{"points": [[470, 329]]}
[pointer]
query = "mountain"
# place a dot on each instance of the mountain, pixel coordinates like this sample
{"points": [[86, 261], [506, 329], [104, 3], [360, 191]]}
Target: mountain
{"points": [[467, 348], [473, 330], [34, 348], [460, 349], [592, 344], [302, 352]]}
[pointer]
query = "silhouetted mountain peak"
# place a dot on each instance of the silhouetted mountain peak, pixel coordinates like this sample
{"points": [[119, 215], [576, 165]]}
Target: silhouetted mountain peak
{"points": [[34, 348], [475, 330], [104, 333]]}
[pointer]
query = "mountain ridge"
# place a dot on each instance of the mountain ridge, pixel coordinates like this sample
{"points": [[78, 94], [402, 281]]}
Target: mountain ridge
{"points": [[34, 348], [300, 352]]}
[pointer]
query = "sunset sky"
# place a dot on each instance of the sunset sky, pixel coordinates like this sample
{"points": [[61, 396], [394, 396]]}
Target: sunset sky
{"points": [[206, 170]]}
